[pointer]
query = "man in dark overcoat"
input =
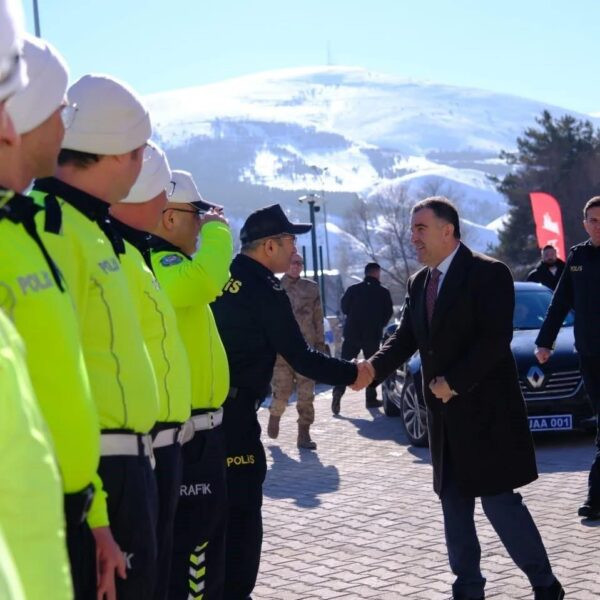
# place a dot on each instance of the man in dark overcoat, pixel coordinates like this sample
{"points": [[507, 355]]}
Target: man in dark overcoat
{"points": [[458, 314]]}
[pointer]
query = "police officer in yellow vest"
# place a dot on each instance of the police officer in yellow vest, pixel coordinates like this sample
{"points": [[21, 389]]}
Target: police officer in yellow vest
{"points": [[306, 303], [101, 159], [192, 278], [33, 556], [138, 213]]}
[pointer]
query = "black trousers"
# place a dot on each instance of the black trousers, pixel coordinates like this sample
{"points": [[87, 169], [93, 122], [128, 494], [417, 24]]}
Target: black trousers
{"points": [[81, 547], [513, 524], [168, 473], [132, 509], [246, 471], [198, 565], [590, 369], [350, 350]]}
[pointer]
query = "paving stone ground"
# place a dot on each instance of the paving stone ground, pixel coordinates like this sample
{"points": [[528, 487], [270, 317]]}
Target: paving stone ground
{"points": [[358, 517]]}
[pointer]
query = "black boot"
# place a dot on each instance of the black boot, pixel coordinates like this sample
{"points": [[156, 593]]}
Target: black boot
{"points": [[589, 511], [550, 592], [336, 398], [371, 398]]}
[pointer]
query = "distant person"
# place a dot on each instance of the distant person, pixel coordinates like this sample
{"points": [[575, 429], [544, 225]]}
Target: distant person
{"points": [[579, 290], [368, 307], [306, 304], [458, 313], [549, 269]]}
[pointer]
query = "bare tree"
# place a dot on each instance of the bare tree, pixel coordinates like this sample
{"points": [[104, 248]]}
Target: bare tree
{"points": [[382, 226]]}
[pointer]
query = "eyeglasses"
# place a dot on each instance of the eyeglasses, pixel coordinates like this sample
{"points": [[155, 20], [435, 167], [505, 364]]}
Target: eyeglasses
{"points": [[9, 67], [593, 221], [297, 262], [67, 114], [195, 211]]}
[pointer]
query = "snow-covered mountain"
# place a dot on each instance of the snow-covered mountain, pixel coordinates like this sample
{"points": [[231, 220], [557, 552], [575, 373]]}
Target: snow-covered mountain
{"points": [[346, 131]]}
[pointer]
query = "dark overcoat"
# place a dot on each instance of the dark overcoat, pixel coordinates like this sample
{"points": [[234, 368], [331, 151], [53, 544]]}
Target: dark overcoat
{"points": [[484, 428]]}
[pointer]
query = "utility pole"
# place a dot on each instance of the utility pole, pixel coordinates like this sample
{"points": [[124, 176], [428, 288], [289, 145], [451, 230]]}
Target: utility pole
{"points": [[321, 172], [311, 199], [36, 19]]}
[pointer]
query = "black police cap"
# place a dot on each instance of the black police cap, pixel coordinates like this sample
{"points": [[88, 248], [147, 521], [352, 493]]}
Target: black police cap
{"points": [[267, 222]]}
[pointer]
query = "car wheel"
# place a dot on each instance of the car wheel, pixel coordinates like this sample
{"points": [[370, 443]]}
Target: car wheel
{"points": [[414, 415], [391, 393]]}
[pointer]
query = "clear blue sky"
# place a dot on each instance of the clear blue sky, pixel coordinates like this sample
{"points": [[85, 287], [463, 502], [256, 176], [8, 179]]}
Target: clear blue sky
{"points": [[542, 49]]}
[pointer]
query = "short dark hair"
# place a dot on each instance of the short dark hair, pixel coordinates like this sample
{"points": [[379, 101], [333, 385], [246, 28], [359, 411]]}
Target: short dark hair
{"points": [[591, 203], [372, 266], [443, 209], [549, 247], [81, 160]]}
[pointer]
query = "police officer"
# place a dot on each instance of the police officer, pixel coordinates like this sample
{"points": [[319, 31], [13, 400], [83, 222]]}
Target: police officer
{"points": [[192, 279], [99, 163], [36, 299], [306, 304], [33, 556], [256, 323], [579, 290], [548, 270], [138, 213]]}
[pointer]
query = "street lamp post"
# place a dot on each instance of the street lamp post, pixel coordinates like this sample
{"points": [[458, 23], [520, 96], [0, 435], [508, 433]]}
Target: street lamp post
{"points": [[321, 172], [311, 199], [36, 19]]}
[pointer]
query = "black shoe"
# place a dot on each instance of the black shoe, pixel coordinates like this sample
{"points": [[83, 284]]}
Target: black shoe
{"points": [[589, 512], [551, 592], [336, 399], [467, 598], [373, 403]]}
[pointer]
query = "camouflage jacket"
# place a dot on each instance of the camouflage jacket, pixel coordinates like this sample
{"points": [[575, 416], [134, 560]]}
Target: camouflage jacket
{"points": [[306, 304]]}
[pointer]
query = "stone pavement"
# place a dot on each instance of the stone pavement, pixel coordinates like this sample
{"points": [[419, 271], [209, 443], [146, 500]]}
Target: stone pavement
{"points": [[358, 517]]}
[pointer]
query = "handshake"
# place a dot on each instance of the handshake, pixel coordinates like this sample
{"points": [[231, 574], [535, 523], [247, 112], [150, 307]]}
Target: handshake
{"points": [[366, 374]]}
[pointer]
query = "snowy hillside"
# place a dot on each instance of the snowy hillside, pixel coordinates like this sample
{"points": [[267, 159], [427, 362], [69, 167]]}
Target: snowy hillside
{"points": [[273, 136]]}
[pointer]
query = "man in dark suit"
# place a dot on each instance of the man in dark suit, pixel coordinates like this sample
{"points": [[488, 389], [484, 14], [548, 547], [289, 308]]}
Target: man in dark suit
{"points": [[368, 308], [458, 314], [548, 270]]}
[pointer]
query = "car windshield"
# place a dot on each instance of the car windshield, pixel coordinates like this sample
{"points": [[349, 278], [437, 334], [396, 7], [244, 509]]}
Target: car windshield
{"points": [[531, 307]]}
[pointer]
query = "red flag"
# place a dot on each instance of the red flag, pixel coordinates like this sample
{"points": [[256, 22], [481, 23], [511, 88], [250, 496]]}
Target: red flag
{"points": [[548, 222]]}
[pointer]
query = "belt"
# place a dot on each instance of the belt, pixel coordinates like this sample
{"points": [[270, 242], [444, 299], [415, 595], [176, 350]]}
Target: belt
{"points": [[167, 437], [201, 422], [126, 444], [77, 505]]}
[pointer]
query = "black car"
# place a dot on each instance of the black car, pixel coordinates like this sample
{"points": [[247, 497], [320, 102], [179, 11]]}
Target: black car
{"points": [[553, 392]]}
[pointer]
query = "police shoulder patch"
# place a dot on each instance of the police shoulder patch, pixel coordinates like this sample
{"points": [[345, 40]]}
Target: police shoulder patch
{"points": [[171, 259], [276, 284]]}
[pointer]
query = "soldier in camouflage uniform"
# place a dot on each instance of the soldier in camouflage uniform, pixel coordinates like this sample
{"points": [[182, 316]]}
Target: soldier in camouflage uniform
{"points": [[306, 304]]}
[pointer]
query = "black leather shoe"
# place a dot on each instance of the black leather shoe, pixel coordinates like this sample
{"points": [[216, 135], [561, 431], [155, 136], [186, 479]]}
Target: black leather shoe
{"points": [[467, 598], [589, 512], [335, 403], [551, 592]]}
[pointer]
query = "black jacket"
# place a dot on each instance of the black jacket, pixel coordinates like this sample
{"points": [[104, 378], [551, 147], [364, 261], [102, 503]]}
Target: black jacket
{"points": [[578, 290], [368, 307], [542, 274], [255, 319], [485, 426]]}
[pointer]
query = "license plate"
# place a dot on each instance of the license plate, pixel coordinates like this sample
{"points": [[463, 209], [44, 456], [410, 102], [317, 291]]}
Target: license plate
{"points": [[551, 423]]}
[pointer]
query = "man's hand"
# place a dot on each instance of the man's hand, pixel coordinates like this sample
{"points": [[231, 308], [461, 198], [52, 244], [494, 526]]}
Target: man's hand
{"points": [[542, 354], [109, 559], [366, 374], [440, 389], [213, 215]]}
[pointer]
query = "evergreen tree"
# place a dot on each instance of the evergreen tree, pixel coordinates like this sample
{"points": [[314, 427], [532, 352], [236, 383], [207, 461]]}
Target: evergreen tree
{"points": [[560, 157]]}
